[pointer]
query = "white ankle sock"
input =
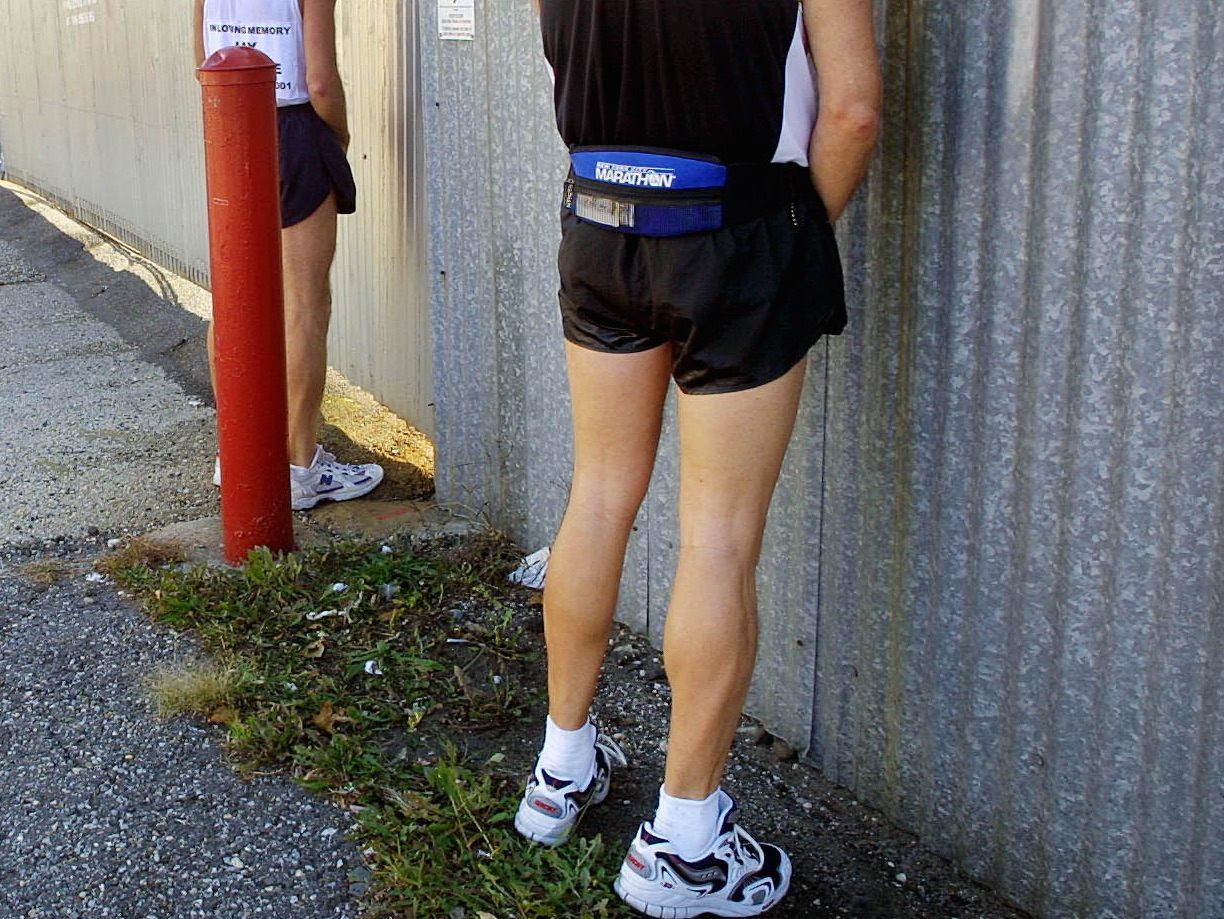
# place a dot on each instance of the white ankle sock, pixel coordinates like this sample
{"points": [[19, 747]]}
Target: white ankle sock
{"points": [[689, 825], [302, 470], [569, 754]]}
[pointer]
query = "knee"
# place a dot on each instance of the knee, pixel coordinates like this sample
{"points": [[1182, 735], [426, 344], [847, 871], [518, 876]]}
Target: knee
{"points": [[308, 310], [607, 501], [725, 549]]}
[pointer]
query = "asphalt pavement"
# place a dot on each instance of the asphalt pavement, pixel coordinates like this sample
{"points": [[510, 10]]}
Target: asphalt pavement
{"points": [[106, 429]]}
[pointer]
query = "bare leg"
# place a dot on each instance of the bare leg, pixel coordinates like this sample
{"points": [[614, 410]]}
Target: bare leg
{"points": [[211, 345], [617, 412], [731, 450], [307, 250]]}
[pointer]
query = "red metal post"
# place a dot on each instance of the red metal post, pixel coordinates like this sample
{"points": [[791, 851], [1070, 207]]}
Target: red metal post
{"points": [[240, 154]]}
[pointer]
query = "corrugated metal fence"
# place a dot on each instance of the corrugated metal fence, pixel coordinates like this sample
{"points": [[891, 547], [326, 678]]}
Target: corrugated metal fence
{"points": [[1021, 617], [380, 335], [99, 111], [992, 596]]}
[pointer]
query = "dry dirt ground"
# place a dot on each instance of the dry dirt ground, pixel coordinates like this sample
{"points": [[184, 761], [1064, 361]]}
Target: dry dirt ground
{"points": [[359, 429]]}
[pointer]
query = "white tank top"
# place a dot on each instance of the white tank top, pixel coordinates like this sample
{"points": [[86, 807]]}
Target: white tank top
{"points": [[271, 26]]}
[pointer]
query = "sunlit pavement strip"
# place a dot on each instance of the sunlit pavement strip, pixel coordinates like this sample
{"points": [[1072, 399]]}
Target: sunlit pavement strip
{"points": [[89, 434], [105, 810]]}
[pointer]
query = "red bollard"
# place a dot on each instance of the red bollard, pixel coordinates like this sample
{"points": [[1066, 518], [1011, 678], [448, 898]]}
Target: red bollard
{"points": [[240, 155]]}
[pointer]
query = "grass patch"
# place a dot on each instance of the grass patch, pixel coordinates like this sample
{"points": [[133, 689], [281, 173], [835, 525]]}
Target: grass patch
{"points": [[381, 679], [197, 687], [139, 552]]}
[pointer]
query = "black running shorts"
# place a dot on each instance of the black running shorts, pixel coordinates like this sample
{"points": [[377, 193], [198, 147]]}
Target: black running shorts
{"points": [[312, 165], [740, 306]]}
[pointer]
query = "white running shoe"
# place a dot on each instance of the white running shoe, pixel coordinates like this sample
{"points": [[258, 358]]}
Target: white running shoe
{"points": [[327, 480], [552, 807], [737, 877]]}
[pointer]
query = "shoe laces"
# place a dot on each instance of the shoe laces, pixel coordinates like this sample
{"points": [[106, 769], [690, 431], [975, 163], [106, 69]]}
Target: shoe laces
{"points": [[328, 461], [733, 843]]}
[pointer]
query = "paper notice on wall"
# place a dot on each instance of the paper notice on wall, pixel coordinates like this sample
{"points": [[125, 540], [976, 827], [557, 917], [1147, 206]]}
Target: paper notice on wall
{"points": [[82, 18], [457, 20]]}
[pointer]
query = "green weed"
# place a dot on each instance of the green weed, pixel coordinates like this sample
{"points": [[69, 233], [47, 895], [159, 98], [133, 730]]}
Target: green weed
{"points": [[363, 674]]}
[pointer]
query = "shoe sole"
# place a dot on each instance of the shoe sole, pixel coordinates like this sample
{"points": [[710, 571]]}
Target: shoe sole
{"points": [[703, 907]]}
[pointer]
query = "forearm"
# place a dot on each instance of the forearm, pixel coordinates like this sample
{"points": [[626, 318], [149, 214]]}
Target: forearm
{"points": [[327, 98], [841, 148], [322, 73], [841, 38]]}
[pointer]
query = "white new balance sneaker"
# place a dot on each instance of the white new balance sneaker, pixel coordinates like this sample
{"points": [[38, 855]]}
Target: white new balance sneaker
{"points": [[327, 480], [737, 877], [552, 807], [324, 480]]}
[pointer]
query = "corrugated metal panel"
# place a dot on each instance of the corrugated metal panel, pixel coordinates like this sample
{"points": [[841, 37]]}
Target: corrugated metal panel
{"points": [[1021, 599], [495, 178], [100, 111], [991, 600], [380, 322]]}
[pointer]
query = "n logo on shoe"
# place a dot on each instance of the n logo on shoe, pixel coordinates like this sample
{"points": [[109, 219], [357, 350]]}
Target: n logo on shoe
{"points": [[755, 890]]}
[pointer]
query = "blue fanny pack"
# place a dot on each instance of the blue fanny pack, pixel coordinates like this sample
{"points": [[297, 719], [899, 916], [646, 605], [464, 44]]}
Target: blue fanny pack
{"points": [[652, 192], [647, 193]]}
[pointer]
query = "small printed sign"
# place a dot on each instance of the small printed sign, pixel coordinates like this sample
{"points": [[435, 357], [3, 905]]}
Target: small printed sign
{"points": [[457, 20], [82, 18]]}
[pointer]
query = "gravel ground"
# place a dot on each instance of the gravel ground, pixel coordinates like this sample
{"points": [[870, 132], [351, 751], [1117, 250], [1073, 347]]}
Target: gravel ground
{"points": [[849, 862], [105, 810], [108, 811]]}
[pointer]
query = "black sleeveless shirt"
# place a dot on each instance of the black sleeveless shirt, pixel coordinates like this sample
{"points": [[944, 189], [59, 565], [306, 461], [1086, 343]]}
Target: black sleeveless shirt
{"points": [[724, 78]]}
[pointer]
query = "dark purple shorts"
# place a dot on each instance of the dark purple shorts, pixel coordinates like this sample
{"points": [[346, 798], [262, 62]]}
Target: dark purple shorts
{"points": [[312, 165], [740, 306]]}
